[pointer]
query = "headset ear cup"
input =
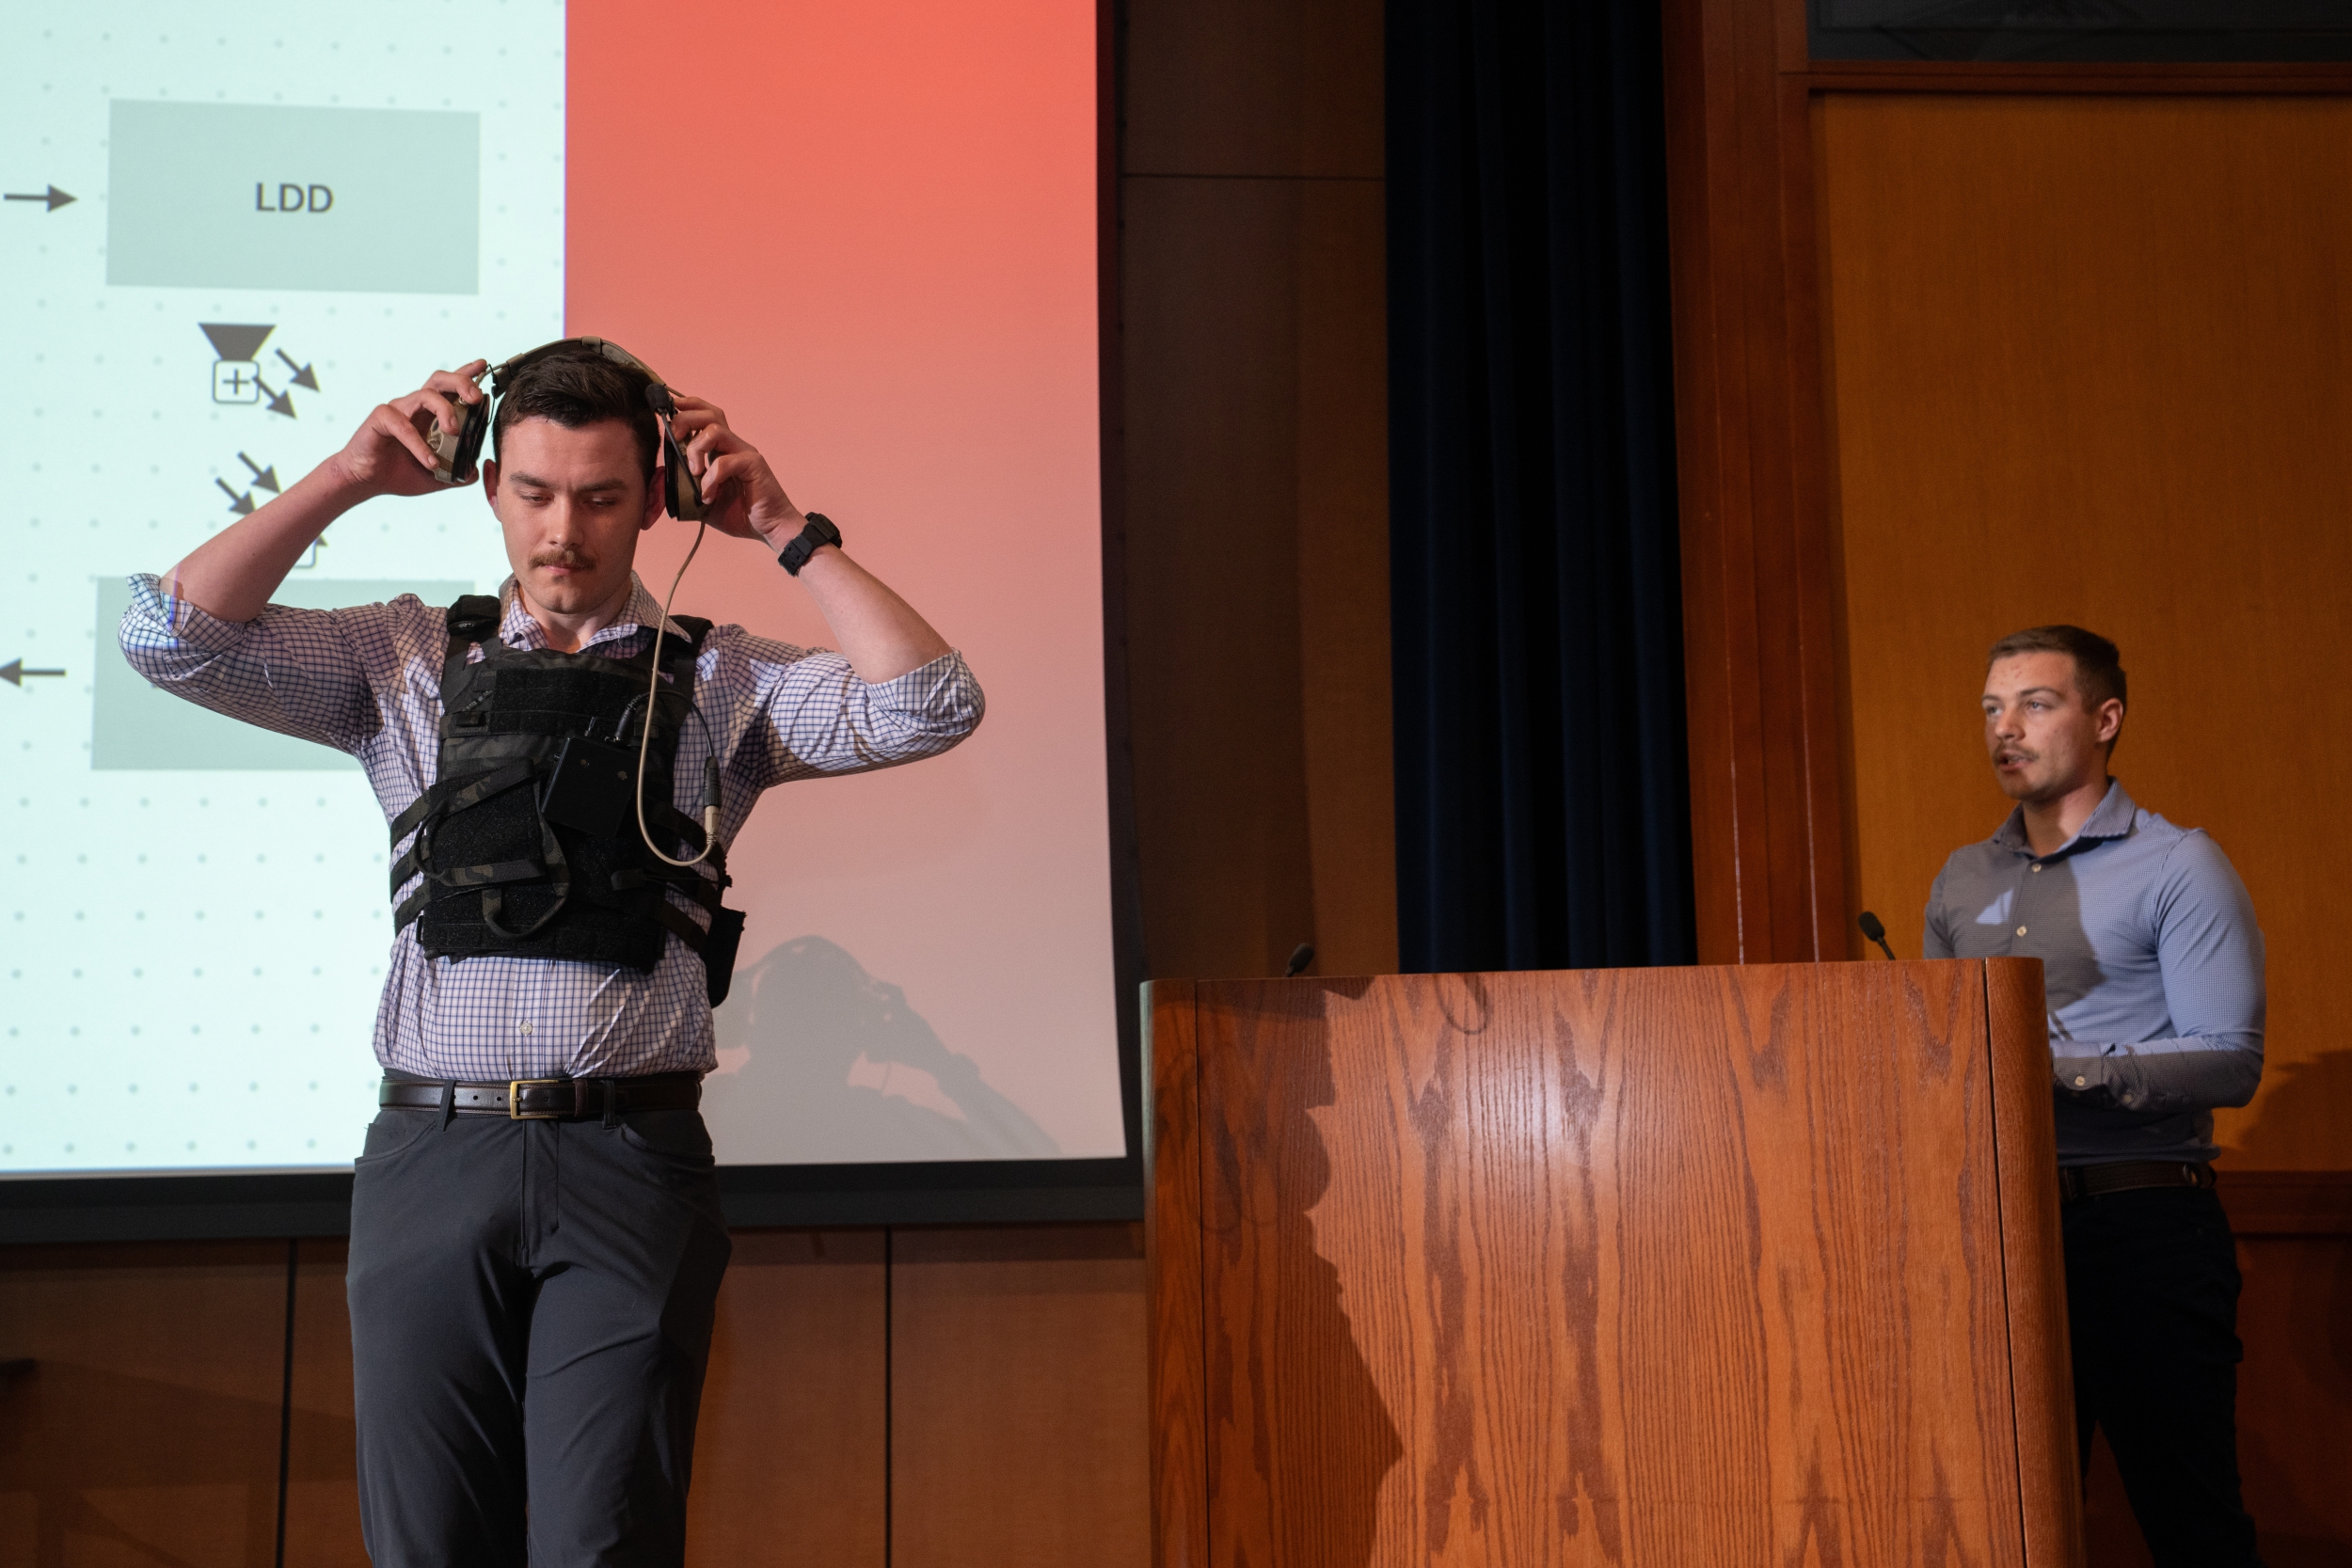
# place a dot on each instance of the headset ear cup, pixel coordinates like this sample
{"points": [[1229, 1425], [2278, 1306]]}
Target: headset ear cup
{"points": [[679, 493], [456, 459]]}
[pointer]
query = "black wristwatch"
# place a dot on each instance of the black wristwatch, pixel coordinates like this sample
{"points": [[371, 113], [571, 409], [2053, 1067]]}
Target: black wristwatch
{"points": [[818, 531]]}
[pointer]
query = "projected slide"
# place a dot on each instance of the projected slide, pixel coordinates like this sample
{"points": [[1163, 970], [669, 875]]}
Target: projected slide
{"points": [[232, 229], [265, 218]]}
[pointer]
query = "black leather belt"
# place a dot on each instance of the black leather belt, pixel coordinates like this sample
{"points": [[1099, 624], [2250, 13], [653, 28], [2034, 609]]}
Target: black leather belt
{"points": [[547, 1098], [2076, 1182]]}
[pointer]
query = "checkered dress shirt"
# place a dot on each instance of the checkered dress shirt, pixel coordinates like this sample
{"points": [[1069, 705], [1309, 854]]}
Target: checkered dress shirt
{"points": [[368, 681]]}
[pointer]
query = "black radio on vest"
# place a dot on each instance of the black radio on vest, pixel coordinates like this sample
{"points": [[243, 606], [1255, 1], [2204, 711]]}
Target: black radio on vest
{"points": [[528, 840]]}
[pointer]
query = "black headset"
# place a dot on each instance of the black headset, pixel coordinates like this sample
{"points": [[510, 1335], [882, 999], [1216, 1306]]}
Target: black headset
{"points": [[456, 459]]}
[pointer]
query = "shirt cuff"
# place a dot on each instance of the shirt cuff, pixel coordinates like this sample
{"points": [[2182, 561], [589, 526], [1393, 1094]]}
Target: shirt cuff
{"points": [[177, 621], [2112, 1080]]}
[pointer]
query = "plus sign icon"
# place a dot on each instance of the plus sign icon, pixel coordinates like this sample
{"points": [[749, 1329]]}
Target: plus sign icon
{"points": [[238, 374]]}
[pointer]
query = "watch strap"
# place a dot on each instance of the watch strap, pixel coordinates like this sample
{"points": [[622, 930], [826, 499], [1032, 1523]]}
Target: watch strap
{"points": [[816, 531]]}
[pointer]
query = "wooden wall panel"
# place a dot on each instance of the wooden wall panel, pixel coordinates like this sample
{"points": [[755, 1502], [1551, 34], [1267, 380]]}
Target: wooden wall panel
{"points": [[1345, 702], [1019, 1429], [1254, 90], [2294, 1394], [789, 1463], [1254, 485], [2088, 363], [146, 1427], [323, 1469], [1655, 1266], [1212, 484]]}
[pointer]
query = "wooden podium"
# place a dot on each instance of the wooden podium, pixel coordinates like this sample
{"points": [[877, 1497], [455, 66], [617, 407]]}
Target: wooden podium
{"points": [[1720, 1267]]}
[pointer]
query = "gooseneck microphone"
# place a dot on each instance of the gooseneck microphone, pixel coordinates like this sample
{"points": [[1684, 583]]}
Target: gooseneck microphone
{"points": [[1876, 930], [1301, 956]]}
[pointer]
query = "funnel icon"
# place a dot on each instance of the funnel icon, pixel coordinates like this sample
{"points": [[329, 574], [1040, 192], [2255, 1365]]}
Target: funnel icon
{"points": [[238, 374]]}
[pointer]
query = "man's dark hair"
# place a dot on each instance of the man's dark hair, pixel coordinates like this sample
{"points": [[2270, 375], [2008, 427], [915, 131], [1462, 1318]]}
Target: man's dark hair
{"points": [[580, 388], [2098, 666]]}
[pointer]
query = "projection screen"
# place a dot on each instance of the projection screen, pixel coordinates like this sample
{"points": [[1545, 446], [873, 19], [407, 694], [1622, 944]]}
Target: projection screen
{"points": [[869, 233]]}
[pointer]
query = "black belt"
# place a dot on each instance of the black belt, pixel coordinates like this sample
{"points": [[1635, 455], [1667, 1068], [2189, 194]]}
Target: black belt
{"points": [[2076, 1182], [547, 1099]]}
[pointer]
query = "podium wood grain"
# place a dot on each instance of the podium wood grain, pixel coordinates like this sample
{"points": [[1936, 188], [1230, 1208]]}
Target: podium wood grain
{"points": [[1697, 1266]]}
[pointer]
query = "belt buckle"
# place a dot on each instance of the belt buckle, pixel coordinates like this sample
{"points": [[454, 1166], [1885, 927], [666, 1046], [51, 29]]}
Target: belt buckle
{"points": [[514, 1087]]}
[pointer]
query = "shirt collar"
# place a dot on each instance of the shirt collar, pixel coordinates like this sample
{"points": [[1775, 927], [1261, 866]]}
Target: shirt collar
{"points": [[2112, 819], [519, 629]]}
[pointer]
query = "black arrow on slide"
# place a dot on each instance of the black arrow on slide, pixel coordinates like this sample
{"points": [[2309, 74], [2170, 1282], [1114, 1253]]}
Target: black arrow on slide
{"points": [[279, 403], [14, 673], [241, 505], [265, 478], [302, 372], [54, 196]]}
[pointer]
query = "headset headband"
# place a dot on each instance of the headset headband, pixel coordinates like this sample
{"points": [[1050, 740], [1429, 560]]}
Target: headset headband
{"points": [[454, 455]]}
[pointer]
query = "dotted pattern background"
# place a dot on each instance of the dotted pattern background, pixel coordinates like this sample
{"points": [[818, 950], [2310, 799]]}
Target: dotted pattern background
{"points": [[191, 960]]}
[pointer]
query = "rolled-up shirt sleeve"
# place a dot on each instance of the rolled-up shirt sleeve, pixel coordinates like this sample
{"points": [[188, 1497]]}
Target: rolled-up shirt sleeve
{"points": [[292, 670], [2210, 949], [814, 716]]}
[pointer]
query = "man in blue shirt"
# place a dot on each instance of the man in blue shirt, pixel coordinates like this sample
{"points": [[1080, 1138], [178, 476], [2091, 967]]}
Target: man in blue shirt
{"points": [[2152, 965]]}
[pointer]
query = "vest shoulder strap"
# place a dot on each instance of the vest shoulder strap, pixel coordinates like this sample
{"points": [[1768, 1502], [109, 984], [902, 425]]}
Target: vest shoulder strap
{"points": [[473, 617], [676, 651]]}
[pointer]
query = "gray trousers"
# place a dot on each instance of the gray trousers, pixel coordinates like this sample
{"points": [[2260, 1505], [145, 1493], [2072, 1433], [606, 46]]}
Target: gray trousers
{"points": [[531, 1310]]}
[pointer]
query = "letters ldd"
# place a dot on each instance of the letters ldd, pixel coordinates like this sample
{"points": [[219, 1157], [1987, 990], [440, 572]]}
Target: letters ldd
{"points": [[292, 198]]}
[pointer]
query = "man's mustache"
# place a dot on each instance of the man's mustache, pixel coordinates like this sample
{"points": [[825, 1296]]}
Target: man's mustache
{"points": [[570, 556]]}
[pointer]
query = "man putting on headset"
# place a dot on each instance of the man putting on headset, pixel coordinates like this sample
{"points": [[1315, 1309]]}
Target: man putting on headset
{"points": [[537, 1241]]}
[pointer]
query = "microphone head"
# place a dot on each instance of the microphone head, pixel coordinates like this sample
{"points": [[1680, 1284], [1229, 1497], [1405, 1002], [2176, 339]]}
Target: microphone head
{"points": [[1871, 927], [1301, 956]]}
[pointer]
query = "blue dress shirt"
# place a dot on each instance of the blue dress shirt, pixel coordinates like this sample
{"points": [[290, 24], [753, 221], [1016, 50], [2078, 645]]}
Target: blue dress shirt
{"points": [[2152, 965]]}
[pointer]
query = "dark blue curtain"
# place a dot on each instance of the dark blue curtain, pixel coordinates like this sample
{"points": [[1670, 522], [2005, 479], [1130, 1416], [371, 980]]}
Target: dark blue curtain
{"points": [[1542, 788]]}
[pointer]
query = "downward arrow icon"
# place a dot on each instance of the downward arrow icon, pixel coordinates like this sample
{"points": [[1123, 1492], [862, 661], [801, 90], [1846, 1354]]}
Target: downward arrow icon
{"points": [[302, 376], [239, 504], [279, 403], [265, 478]]}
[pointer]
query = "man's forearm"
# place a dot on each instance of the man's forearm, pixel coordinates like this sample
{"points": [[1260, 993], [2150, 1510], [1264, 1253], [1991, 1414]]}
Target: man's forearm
{"points": [[2190, 1073], [232, 574], [880, 633]]}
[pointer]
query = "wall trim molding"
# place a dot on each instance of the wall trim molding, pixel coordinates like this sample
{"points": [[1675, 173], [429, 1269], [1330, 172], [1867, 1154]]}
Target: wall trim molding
{"points": [[2286, 1202]]}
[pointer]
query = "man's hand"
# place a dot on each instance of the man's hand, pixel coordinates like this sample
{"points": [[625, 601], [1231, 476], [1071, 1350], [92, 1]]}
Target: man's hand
{"points": [[879, 632], [387, 456], [234, 572], [740, 492]]}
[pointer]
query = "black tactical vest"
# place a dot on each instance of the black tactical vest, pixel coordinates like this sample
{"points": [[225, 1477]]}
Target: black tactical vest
{"points": [[528, 839]]}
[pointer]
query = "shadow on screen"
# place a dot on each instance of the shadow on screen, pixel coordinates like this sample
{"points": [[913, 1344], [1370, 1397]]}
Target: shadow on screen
{"points": [[836, 1068]]}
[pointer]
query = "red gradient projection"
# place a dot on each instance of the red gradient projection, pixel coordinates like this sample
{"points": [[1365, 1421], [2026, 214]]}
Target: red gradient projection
{"points": [[868, 232]]}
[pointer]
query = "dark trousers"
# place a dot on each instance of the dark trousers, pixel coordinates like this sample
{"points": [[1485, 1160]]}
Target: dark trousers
{"points": [[530, 1308], [2152, 1288]]}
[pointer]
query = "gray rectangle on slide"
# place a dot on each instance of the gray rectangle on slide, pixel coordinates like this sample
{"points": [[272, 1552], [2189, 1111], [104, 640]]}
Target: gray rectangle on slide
{"points": [[251, 195], [134, 727]]}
